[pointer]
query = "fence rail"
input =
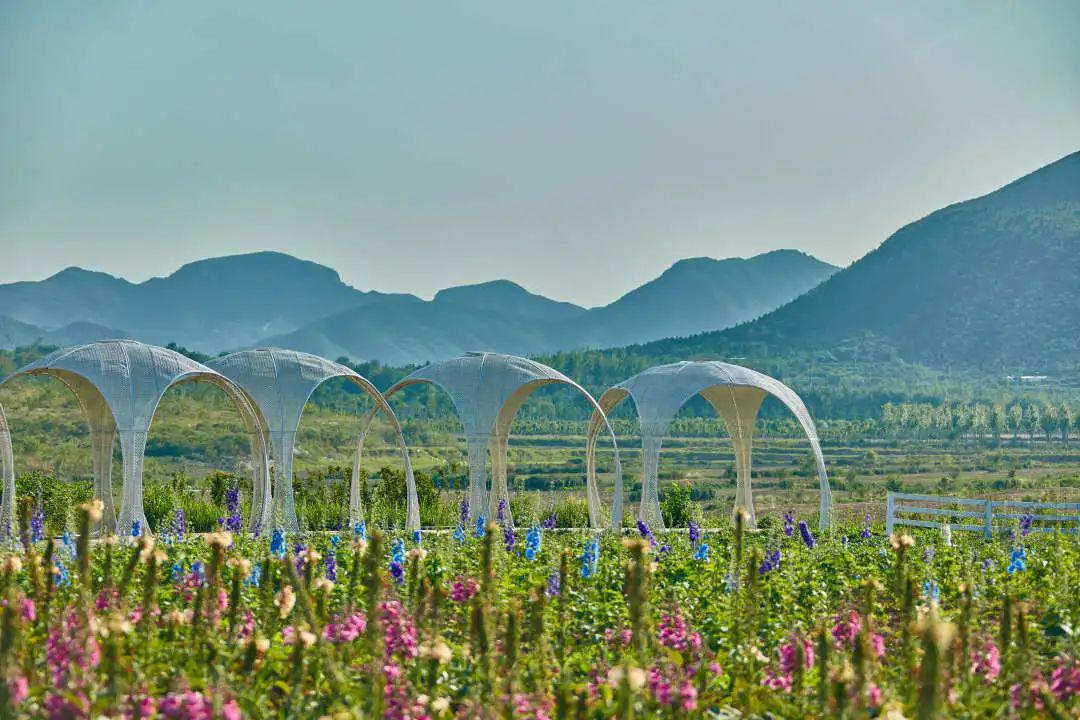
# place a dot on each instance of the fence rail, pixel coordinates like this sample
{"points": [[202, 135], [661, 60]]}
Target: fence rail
{"points": [[905, 509]]}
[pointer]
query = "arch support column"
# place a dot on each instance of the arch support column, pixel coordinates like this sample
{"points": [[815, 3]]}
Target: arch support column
{"points": [[133, 447], [284, 502], [738, 405], [649, 510], [500, 450], [477, 448], [7, 475]]}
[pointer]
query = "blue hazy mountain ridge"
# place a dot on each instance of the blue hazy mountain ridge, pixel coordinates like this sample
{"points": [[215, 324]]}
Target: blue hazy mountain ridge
{"points": [[992, 283], [270, 298], [692, 296]]}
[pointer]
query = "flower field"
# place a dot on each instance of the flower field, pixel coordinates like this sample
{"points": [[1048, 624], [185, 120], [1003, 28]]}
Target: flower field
{"points": [[484, 621]]}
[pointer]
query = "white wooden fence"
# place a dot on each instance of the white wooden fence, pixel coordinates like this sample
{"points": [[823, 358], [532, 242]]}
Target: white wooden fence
{"points": [[986, 516]]}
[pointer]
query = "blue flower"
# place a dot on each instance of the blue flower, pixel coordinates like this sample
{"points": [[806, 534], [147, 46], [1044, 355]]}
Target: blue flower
{"points": [[480, 522], [459, 534], [277, 544], [136, 528], [533, 542], [360, 530], [255, 578], [931, 591], [590, 558], [416, 537], [335, 540], [397, 561], [62, 577], [1017, 560], [702, 552]]}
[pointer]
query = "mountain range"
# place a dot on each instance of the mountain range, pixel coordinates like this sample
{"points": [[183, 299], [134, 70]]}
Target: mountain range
{"points": [[269, 298], [989, 284]]}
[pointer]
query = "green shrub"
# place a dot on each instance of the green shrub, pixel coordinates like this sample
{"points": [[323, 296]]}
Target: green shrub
{"points": [[571, 512], [677, 506], [57, 499], [159, 504], [523, 510]]}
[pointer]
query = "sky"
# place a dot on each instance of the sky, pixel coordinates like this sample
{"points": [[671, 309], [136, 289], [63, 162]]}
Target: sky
{"points": [[578, 148]]}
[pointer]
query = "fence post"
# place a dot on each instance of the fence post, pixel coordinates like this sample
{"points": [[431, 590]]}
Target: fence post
{"points": [[989, 519], [890, 507]]}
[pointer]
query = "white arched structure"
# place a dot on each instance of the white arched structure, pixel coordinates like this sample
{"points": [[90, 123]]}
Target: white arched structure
{"points": [[487, 390], [281, 382], [734, 392], [7, 477], [119, 384]]}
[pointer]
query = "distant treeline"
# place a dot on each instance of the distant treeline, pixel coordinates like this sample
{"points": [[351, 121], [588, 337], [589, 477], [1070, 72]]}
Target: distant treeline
{"points": [[853, 381]]}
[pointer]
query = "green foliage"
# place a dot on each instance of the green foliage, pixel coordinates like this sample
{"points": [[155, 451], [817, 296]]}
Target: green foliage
{"points": [[677, 505], [571, 512], [56, 499]]}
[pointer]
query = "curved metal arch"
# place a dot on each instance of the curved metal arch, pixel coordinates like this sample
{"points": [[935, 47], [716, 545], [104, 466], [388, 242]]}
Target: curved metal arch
{"points": [[130, 412], [496, 441], [242, 369], [736, 398]]}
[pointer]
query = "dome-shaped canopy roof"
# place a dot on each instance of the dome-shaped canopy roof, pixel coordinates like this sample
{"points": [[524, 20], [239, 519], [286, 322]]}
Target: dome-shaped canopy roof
{"points": [[480, 383], [282, 381], [131, 376]]}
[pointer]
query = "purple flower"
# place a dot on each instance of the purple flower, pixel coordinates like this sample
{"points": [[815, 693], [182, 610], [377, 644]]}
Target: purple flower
{"points": [[509, 538], [867, 523], [331, 565], [1026, 521], [37, 526], [299, 550], [789, 523], [500, 513], [695, 533], [464, 511], [807, 537], [179, 525], [554, 585], [549, 522], [646, 532], [397, 572], [235, 521], [771, 561]]}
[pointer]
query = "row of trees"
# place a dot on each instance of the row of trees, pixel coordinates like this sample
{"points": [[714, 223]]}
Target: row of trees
{"points": [[1032, 420]]}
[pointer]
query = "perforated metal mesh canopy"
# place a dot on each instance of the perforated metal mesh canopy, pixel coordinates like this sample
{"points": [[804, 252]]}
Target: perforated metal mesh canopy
{"points": [[487, 390], [281, 383], [734, 392], [119, 384]]}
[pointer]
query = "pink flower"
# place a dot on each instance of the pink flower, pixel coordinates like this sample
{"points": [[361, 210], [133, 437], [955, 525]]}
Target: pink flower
{"points": [[877, 643], [986, 661], [874, 695], [846, 629], [1065, 680], [688, 694], [231, 711], [347, 629], [463, 590], [29, 610], [19, 689]]}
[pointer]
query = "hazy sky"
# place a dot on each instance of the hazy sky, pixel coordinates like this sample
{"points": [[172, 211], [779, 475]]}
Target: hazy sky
{"points": [[577, 148]]}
